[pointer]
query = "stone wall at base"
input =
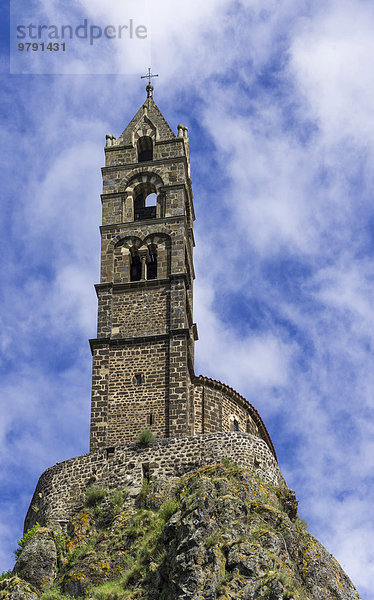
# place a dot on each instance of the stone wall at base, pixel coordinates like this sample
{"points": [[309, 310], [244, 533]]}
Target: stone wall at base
{"points": [[61, 488]]}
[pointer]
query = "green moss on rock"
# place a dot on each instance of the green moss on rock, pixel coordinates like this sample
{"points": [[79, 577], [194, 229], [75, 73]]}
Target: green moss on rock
{"points": [[217, 533], [15, 588]]}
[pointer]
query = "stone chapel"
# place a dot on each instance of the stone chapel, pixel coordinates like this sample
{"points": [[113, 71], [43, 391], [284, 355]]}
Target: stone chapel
{"points": [[143, 356]]}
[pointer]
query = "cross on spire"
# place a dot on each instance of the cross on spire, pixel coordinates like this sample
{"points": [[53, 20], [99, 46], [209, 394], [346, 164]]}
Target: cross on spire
{"points": [[149, 75], [149, 87]]}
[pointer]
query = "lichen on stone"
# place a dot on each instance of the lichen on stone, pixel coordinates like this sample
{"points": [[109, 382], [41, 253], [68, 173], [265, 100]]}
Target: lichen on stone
{"points": [[218, 533]]}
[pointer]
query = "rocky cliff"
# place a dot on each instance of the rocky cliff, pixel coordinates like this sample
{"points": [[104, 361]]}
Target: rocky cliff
{"points": [[219, 532]]}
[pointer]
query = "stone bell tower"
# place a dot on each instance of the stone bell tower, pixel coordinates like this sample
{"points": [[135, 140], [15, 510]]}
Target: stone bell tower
{"points": [[144, 351], [143, 356]]}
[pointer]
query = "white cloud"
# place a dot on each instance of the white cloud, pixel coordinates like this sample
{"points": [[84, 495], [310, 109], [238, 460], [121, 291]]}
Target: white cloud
{"points": [[348, 287], [283, 98], [248, 361], [332, 57]]}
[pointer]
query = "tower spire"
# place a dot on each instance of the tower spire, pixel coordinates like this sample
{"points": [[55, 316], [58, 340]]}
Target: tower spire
{"points": [[149, 87]]}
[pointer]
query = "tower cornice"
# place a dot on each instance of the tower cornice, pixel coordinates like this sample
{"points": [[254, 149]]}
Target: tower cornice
{"points": [[145, 165], [133, 285], [135, 224], [101, 342], [116, 147]]}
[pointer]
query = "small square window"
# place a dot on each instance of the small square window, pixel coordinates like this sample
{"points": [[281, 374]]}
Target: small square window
{"points": [[110, 453]]}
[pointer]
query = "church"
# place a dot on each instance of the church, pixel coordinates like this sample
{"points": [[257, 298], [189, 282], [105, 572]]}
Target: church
{"points": [[143, 356], [143, 374]]}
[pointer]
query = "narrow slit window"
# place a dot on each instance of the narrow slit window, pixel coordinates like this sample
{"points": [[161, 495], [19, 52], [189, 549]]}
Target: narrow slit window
{"points": [[146, 472], [110, 453], [138, 379], [235, 425], [145, 149], [152, 265], [136, 268]]}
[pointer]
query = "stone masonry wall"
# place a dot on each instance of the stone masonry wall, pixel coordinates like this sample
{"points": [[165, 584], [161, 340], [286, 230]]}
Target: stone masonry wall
{"points": [[216, 406], [99, 401], [141, 311], [152, 112], [61, 489], [171, 173], [131, 405], [220, 410], [124, 155], [145, 327], [141, 230]]}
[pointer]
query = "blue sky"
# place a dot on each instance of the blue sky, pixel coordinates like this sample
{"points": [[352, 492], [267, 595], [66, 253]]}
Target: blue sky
{"points": [[278, 96]]}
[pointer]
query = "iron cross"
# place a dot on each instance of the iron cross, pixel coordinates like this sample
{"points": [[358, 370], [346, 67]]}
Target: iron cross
{"points": [[149, 76]]}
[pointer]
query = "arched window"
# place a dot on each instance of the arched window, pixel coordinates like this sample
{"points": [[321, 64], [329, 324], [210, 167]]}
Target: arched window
{"points": [[152, 263], [151, 200], [235, 425], [135, 267], [145, 149], [145, 206]]}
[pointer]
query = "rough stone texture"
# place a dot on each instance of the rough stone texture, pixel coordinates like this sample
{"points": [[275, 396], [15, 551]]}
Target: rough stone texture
{"points": [[128, 321], [146, 327], [145, 403], [15, 588], [221, 533], [153, 312], [232, 538], [76, 586], [146, 115], [216, 406], [38, 560], [218, 533], [61, 489]]}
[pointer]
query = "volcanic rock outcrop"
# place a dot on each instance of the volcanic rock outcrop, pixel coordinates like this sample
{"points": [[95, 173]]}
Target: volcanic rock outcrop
{"points": [[217, 533]]}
